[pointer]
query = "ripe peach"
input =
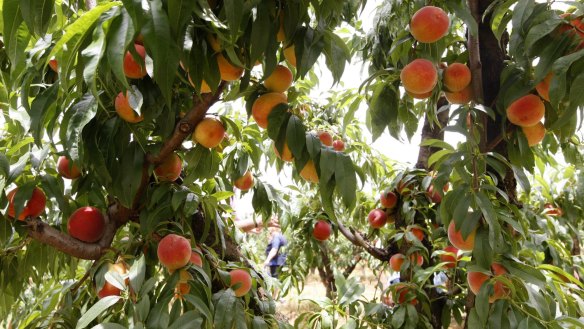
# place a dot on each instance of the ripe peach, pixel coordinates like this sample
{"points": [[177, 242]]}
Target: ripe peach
{"points": [[125, 110], [209, 132], [33, 207], [325, 138], [109, 289], [456, 77], [420, 96], [214, 43], [67, 169], [402, 293], [543, 87], [417, 258], [240, 282], [170, 168], [54, 65], [290, 55], [339, 145], [526, 111], [552, 210], [388, 199], [281, 35], [429, 24], [456, 239], [174, 251], [132, 69], [196, 258], [377, 218], [417, 232], [575, 29], [396, 261], [86, 224], [205, 88], [280, 79], [434, 195], [419, 76], [228, 71], [263, 106], [309, 172], [476, 280], [534, 134], [322, 230], [451, 259], [461, 97], [244, 182], [286, 154]]}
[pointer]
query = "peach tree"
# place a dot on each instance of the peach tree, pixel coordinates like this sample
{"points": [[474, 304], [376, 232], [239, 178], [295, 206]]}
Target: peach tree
{"points": [[128, 124]]}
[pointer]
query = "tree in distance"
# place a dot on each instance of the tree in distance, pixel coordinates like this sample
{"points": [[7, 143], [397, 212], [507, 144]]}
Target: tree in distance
{"points": [[456, 239], [67, 169], [132, 69], [169, 169], [419, 76], [33, 207], [209, 132], [377, 218], [429, 24], [456, 77], [125, 110], [109, 289], [174, 251], [240, 282], [86, 224], [309, 172], [263, 106], [322, 230], [526, 111], [534, 134], [244, 182], [280, 79]]}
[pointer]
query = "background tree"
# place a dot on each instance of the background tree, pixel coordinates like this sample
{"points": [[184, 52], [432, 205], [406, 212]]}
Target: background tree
{"points": [[124, 141]]}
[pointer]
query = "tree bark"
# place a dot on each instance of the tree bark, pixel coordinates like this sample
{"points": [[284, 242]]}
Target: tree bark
{"points": [[432, 131]]}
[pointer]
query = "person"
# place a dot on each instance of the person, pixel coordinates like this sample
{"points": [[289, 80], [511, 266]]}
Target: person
{"points": [[275, 255], [253, 226]]}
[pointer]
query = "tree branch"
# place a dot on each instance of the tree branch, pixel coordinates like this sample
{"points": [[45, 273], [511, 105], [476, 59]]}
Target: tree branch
{"points": [[357, 239]]}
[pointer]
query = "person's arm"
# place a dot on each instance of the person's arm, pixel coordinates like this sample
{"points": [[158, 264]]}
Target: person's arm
{"points": [[270, 256], [247, 225]]}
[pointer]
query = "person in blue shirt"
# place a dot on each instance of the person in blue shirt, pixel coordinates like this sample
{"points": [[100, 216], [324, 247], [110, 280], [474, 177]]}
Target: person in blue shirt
{"points": [[275, 255]]}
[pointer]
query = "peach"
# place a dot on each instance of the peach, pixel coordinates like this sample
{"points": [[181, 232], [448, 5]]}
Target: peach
{"points": [[67, 169], [169, 169], [263, 106], [434, 195], [54, 65], [309, 172], [429, 24], [228, 71], [377, 218], [575, 28], [417, 232], [290, 55], [420, 96], [196, 258], [339, 145], [132, 69], [534, 134], [419, 259], [388, 199], [33, 207], [214, 43], [526, 111], [543, 87], [461, 97], [286, 154], [280, 79], [451, 259], [174, 251], [86, 224], [209, 132], [125, 110], [240, 282], [419, 76], [325, 138], [476, 280], [205, 88], [396, 261], [109, 289], [322, 230], [281, 35], [244, 182], [456, 77], [402, 293], [456, 239]]}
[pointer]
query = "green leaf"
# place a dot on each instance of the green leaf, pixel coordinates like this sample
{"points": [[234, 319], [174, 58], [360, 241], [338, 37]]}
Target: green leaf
{"points": [[337, 54], [138, 273], [200, 305], [525, 272], [224, 309], [295, 136], [181, 11], [308, 47], [346, 180], [120, 35], [129, 174], [462, 11], [383, 109], [74, 120], [108, 326], [482, 251], [37, 14], [189, 319], [98, 308], [162, 47], [278, 120], [42, 111], [15, 34], [261, 30]]}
